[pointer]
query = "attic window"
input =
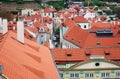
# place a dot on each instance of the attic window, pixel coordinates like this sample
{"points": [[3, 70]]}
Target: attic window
{"points": [[66, 36], [87, 54], [107, 53], [78, 41], [72, 38], [69, 55], [118, 42], [97, 43]]}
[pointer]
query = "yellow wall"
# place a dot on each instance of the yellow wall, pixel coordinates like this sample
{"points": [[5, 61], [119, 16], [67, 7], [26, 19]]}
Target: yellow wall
{"points": [[97, 74]]}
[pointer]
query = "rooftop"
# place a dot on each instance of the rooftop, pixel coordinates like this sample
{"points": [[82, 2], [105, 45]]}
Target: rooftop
{"points": [[25, 61]]}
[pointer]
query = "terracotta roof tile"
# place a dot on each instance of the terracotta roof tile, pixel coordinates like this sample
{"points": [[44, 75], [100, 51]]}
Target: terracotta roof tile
{"points": [[77, 55], [80, 19], [23, 61]]}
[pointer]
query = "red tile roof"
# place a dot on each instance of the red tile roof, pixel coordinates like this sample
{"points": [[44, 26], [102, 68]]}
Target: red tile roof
{"points": [[79, 19], [60, 55], [28, 61], [48, 10], [101, 25], [82, 38]]}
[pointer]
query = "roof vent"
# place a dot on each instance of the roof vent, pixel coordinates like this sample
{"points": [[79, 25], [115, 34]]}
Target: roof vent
{"points": [[69, 55], [72, 38], [107, 53], [118, 42], [78, 41], [87, 53], [98, 43]]}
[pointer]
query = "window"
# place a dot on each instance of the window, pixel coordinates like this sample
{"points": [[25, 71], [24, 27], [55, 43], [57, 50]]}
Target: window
{"points": [[61, 75], [118, 74], [97, 64], [74, 75], [84, 26], [89, 75], [105, 75], [41, 35]]}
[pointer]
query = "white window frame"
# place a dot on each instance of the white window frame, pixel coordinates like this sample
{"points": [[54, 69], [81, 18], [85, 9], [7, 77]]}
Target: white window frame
{"points": [[105, 75], [61, 75], [89, 75], [74, 75], [117, 74]]}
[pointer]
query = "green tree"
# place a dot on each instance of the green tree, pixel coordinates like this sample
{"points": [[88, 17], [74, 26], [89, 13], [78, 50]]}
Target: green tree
{"points": [[117, 11], [38, 1], [6, 15], [57, 30]]}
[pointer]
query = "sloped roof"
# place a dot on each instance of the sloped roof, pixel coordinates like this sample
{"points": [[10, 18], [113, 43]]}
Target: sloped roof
{"points": [[28, 61], [82, 38], [80, 19], [78, 55], [48, 10]]}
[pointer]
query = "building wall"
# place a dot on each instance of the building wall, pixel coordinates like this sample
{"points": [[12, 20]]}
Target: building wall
{"points": [[89, 15], [48, 14], [84, 25], [65, 43], [97, 74]]}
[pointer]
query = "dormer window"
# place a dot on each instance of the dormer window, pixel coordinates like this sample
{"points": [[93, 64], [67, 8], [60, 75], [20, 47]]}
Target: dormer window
{"points": [[98, 43], [41, 29], [118, 42], [69, 55], [84, 26], [107, 53]]}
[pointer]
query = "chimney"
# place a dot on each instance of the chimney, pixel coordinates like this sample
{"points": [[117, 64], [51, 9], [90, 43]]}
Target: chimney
{"points": [[20, 31], [0, 25], [5, 26]]}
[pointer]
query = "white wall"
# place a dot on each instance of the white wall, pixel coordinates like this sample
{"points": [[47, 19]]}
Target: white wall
{"points": [[48, 14], [92, 65], [89, 15], [0, 25], [5, 26], [82, 25], [25, 12], [20, 31], [68, 44]]}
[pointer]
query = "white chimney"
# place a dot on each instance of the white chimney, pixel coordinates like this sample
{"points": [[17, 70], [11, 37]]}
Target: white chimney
{"points": [[5, 26], [0, 25], [20, 31]]}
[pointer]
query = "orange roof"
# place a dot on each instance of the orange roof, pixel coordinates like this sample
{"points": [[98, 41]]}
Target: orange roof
{"points": [[28, 61], [101, 25], [48, 10], [82, 38], [80, 19], [69, 23], [63, 55], [32, 29]]}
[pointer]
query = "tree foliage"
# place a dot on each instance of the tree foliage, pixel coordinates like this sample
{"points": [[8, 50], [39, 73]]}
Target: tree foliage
{"points": [[95, 2], [117, 10], [6, 15], [57, 4]]}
